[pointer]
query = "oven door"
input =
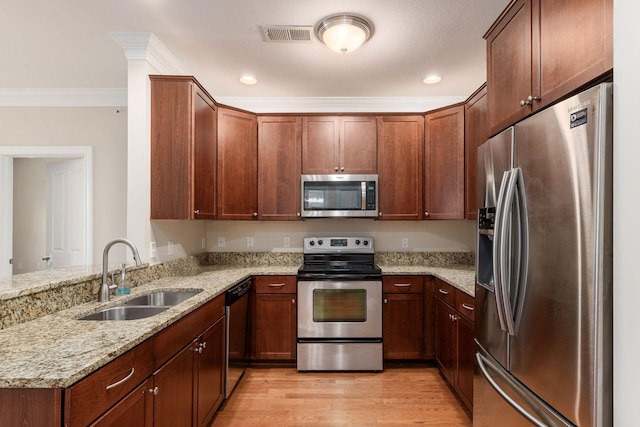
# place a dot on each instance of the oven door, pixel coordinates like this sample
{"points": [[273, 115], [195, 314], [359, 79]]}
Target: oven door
{"points": [[331, 309]]}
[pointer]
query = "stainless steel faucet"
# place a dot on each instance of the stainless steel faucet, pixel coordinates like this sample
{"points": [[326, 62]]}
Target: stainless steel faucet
{"points": [[105, 288]]}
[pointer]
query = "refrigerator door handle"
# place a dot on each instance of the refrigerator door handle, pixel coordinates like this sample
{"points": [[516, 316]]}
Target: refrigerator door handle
{"points": [[523, 252], [483, 362], [506, 228], [497, 243]]}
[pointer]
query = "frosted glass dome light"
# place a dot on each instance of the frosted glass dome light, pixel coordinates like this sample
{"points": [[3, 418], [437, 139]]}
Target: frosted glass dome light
{"points": [[344, 33]]}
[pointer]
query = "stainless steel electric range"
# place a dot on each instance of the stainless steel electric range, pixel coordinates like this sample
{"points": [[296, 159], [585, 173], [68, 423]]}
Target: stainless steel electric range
{"points": [[339, 306]]}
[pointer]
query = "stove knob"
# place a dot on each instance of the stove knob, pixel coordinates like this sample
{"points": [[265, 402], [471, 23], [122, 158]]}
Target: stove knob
{"points": [[311, 243], [366, 243], [320, 242], [357, 242]]}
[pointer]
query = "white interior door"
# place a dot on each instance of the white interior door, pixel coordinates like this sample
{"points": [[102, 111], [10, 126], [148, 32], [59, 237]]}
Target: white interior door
{"points": [[66, 213], [6, 215]]}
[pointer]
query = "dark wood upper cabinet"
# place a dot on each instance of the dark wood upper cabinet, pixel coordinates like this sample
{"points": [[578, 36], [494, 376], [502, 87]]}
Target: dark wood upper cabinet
{"points": [[183, 149], [400, 160], [540, 51], [339, 144], [279, 165], [237, 164], [475, 134], [444, 164]]}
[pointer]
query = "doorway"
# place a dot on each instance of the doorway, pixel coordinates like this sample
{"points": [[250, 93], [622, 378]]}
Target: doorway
{"points": [[76, 223]]}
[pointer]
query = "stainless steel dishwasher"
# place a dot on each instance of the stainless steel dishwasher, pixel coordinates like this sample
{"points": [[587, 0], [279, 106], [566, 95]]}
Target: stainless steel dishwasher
{"points": [[237, 321]]}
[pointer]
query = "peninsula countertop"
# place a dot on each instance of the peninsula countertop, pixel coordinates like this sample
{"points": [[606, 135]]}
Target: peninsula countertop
{"points": [[57, 350]]}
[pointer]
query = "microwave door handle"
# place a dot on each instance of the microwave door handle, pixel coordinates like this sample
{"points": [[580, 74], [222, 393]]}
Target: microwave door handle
{"points": [[497, 243], [363, 195]]}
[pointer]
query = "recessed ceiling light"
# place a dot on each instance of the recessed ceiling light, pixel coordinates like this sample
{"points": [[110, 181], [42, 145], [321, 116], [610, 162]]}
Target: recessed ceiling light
{"points": [[248, 80], [432, 79]]}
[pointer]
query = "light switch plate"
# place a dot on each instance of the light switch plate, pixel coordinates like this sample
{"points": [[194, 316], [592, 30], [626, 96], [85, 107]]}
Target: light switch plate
{"points": [[221, 242], [249, 241], [153, 250], [287, 242], [170, 248], [405, 242]]}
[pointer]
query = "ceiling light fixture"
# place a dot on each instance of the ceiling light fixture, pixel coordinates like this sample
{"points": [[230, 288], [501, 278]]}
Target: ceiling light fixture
{"points": [[248, 80], [344, 33], [432, 79]]}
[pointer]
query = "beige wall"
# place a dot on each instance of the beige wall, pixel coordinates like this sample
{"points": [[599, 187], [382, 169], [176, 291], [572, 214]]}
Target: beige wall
{"points": [[98, 127]]}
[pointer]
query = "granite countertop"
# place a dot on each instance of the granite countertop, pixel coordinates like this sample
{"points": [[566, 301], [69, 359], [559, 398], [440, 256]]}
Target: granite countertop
{"points": [[57, 350]]}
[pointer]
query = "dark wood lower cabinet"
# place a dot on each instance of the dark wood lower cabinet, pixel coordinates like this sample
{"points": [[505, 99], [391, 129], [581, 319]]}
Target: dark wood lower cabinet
{"points": [[403, 317], [274, 319], [454, 329], [135, 410], [210, 373]]}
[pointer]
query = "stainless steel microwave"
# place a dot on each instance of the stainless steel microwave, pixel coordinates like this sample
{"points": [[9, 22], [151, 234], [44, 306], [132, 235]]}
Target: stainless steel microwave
{"points": [[344, 196]]}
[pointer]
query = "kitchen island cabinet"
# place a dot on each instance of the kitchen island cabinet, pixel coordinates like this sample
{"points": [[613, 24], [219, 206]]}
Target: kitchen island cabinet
{"points": [[339, 144], [540, 51], [274, 319], [279, 163], [400, 162], [237, 164], [454, 330], [444, 163], [183, 149]]}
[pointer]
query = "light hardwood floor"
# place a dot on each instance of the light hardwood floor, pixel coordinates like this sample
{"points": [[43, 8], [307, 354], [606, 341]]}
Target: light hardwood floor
{"points": [[282, 397]]}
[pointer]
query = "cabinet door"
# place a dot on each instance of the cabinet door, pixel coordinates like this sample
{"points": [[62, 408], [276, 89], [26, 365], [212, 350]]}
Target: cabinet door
{"points": [[210, 373], [279, 165], [171, 132], [575, 44], [358, 145], [173, 403], [134, 410], [403, 326], [400, 160], [444, 164], [445, 340], [204, 156], [275, 326], [237, 165], [320, 148], [475, 134], [509, 76], [465, 361]]}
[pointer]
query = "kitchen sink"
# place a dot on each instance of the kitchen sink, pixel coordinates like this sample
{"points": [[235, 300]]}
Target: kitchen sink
{"points": [[161, 298], [122, 312], [142, 306]]}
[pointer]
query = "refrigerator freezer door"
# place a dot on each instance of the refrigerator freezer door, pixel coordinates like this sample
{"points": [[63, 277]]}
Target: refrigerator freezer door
{"points": [[562, 348], [494, 158]]}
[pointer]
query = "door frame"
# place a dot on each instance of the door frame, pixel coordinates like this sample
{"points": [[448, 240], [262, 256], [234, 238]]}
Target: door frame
{"points": [[78, 152]]}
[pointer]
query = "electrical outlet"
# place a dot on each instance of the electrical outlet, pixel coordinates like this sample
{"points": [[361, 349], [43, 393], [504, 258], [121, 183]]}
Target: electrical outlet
{"points": [[221, 242], [249, 241], [204, 243], [153, 250], [405, 242], [287, 242], [170, 248]]}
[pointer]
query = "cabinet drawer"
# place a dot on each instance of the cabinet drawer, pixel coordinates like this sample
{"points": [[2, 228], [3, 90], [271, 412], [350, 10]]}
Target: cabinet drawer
{"points": [[92, 396], [275, 284], [465, 304], [169, 341], [445, 292], [402, 284]]}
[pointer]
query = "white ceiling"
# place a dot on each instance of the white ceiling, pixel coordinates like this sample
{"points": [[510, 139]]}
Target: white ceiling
{"points": [[66, 44]]}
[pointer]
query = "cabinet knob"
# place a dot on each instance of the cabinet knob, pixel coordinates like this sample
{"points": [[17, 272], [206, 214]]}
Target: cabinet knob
{"points": [[204, 344], [293, 300], [379, 213], [335, 169], [426, 214], [255, 214], [298, 213], [197, 211], [341, 169], [154, 391], [530, 99], [386, 301]]}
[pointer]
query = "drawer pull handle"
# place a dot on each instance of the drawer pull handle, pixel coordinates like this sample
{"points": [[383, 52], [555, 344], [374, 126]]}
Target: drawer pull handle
{"points": [[125, 379], [442, 291], [402, 285], [276, 285], [467, 306]]}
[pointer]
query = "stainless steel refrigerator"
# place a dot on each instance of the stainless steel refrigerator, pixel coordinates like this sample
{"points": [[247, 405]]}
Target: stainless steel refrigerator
{"points": [[544, 269]]}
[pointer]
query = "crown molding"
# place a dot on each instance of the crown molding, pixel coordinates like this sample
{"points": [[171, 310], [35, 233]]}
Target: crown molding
{"points": [[146, 46], [340, 104], [67, 97]]}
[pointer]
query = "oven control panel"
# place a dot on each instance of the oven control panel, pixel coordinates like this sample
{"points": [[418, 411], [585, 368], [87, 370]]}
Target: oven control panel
{"points": [[338, 244]]}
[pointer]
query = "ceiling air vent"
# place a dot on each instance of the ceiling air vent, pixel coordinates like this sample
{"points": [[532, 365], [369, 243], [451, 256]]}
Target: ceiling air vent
{"points": [[287, 33]]}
